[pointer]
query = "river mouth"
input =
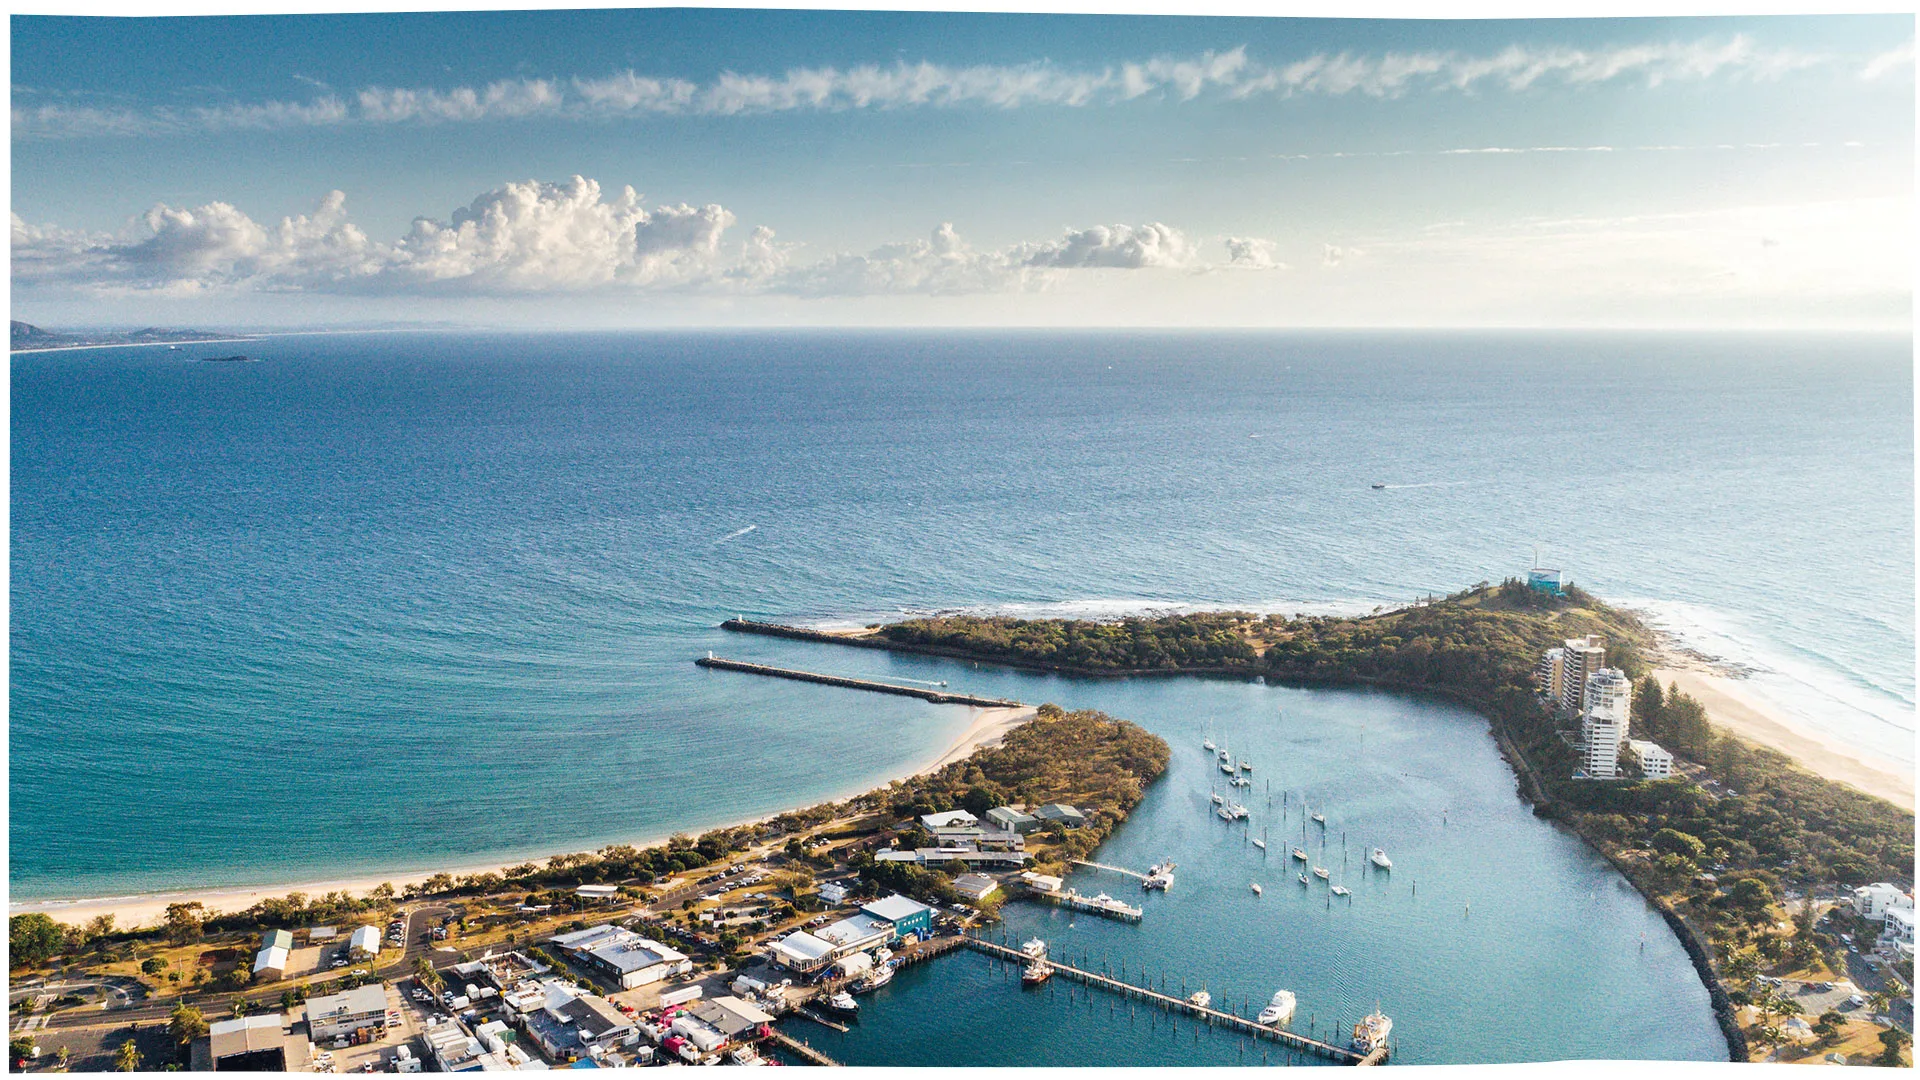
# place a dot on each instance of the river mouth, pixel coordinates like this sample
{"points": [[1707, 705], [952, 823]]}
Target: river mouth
{"points": [[1496, 936]]}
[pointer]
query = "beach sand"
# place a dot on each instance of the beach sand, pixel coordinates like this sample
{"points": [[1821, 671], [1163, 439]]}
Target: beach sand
{"points": [[988, 728], [1733, 707]]}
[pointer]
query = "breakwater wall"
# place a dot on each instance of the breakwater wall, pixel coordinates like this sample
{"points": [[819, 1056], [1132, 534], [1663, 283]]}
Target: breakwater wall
{"points": [[875, 641], [938, 697]]}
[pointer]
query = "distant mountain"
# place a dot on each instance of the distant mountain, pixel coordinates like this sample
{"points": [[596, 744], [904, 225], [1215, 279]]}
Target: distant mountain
{"points": [[29, 336]]}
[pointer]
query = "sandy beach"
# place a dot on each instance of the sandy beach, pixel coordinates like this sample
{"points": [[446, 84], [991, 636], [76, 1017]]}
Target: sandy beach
{"points": [[1735, 708], [988, 728]]}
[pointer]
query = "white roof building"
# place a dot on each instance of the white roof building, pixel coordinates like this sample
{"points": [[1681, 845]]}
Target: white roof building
{"points": [[626, 957], [347, 1011], [1655, 762], [802, 951], [1872, 901], [856, 933], [949, 820], [366, 937], [273, 959], [832, 892]]}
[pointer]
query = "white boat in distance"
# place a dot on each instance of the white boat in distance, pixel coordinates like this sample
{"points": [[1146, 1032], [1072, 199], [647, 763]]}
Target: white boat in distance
{"points": [[1225, 814], [843, 1002], [1200, 998], [1237, 810], [1303, 880], [1379, 858], [1319, 817], [1321, 873], [1033, 947], [1256, 888], [1259, 843], [1342, 890], [1279, 1010], [1298, 854], [1218, 799]]}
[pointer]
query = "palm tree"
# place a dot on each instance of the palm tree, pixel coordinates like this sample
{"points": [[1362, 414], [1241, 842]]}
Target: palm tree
{"points": [[127, 1058]]}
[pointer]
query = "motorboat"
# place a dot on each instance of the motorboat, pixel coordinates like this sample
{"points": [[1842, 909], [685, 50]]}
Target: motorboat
{"points": [[1209, 745], [1371, 1033], [1303, 879], [1279, 1010], [1033, 947], [1226, 766], [1379, 859], [1036, 973], [1299, 854], [1379, 487], [1321, 872], [1159, 876], [843, 1002], [1199, 999], [1237, 810], [1342, 890], [1218, 799], [875, 979], [1319, 817], [1225, 814], [1259, 843], [1245, 765], [1256, 888]]}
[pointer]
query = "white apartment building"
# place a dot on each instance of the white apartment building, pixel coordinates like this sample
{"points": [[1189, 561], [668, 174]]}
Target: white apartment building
{"points": [[1579, 658], [1655, 762], [1872, 901], [1603, 748]]}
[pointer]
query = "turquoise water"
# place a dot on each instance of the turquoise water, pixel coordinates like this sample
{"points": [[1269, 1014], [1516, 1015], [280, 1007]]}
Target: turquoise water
{"points": [[393, 602]]}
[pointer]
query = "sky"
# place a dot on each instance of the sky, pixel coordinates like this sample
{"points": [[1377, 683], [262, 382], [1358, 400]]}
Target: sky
{"points": [[613, 168]]}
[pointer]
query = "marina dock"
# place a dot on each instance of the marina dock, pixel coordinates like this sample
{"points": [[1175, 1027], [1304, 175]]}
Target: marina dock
{"points": [[1213, 1017], [1134, 874], [800, 1049], [1106, 907], [938, 697]]}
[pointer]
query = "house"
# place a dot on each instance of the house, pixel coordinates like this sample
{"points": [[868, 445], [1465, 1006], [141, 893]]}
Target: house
{"points": [[271, 964], [627, 958], [259, 1043], [975, 887], [365, 939], [1046, 883], [802, 952], [597, 892], [1000, 840], [907, 917], [363, 1008], [1062, 813], [927, 856], [950, 819], [1007, 819]]}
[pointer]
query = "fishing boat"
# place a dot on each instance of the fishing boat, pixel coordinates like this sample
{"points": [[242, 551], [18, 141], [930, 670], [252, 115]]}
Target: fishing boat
{"points": [[1256, 888], [1200, 999], [1379, 858], [1342, 890], [1279, 1010], [875, 979], [1299, 854], [1321, 872], [1036, 973], [1033, 948], [843, 1002], [1371, 1033]]}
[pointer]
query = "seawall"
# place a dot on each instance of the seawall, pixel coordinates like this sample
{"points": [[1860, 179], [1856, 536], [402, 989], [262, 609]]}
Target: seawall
{"points": [[938, 697]]}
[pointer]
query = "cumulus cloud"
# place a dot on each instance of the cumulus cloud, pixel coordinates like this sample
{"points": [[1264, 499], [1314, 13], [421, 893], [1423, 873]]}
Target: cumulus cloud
{"points": [[1250, 253], [1228, 73], [535, 237]]}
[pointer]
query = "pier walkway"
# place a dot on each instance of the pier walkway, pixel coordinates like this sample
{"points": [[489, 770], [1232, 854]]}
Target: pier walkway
{"points": [[1134, 874], [1213, 1017], [938, 697], [1105, 907], [800, 1049]]}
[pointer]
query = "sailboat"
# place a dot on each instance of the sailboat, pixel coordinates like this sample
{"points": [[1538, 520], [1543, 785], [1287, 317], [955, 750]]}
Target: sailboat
{"points": [[1320, 817], [1321, 872], [1262, 842]]}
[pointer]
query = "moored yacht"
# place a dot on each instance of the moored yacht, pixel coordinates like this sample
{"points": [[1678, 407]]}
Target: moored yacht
{"points": [[1279, 1010], [1342, 890], [881, 975], [1036, 973], [1033, 947], [1321, 872], [1159, 876], [1299, 854], [843, 1002], [1379, 858]]}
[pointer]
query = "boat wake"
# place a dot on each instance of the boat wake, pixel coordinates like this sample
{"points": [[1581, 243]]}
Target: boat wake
{"points": [[735, 534]]}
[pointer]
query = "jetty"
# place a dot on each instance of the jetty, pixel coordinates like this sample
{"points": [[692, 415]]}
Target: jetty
{"points": [[1213, 1017], [1134, 874], [800, 1049], [808, 1014], [1105, 906], [938, 697]]}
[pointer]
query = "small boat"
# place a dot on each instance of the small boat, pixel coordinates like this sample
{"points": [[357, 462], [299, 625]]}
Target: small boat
{"points": [[1303, 880], [1279, 1010], [1298, 854], [1256, 888], [1225, 814], [1319, 817], [1033, 947], [1379, 487], [1218, 799], [1225, 755], [744, 1054], [1342, 890], [843, 1002], [1371, 1033], [1259, 843], [1237, 810], [1227, 767], [1208, 744], [1036, 973], [1321, 873], [1245, 765], [1380, 859], [1159, 876], [1200, 999]]}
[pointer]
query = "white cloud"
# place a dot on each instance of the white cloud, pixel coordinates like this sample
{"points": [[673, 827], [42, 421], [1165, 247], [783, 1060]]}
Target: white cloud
{"points": [[1122, 247], [1249, 253], [1229, 73]]}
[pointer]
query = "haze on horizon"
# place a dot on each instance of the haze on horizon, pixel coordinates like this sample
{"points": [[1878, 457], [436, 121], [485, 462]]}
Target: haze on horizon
{"points": [[701, 167]]}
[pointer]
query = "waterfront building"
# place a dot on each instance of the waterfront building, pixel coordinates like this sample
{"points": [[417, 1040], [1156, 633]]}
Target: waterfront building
{"points": [[456, 1051], [1046, 883], [959, 836], [365, 939], [941, 855], [1896, 938], [1000, 840], [1609, 695], [622, 955], [856, 933], [975, 887], [1655, 762], [597, 892], [907, 916], [1062, 813], [361, 1010], [802, 952], [1601, 754], [948, 820], [1546, 677], [1007, 819], [1579, 658]]}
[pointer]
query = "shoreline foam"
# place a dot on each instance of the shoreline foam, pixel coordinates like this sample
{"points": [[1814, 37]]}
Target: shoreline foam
{"points": [[988, 728]]}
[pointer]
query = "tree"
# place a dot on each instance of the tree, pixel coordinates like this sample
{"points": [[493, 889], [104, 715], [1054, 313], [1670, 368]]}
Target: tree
{"points": [[240, 1005], [1893, 1040], [20, 1047], [153, 965], [33, 939], [127, 1058], [1675, 842], [1828, 1026], [185, 921], [186, 1024], [61, 1057]]}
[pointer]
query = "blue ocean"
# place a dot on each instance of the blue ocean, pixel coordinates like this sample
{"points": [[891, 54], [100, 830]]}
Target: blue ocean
{"points": [[393, 602]]}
